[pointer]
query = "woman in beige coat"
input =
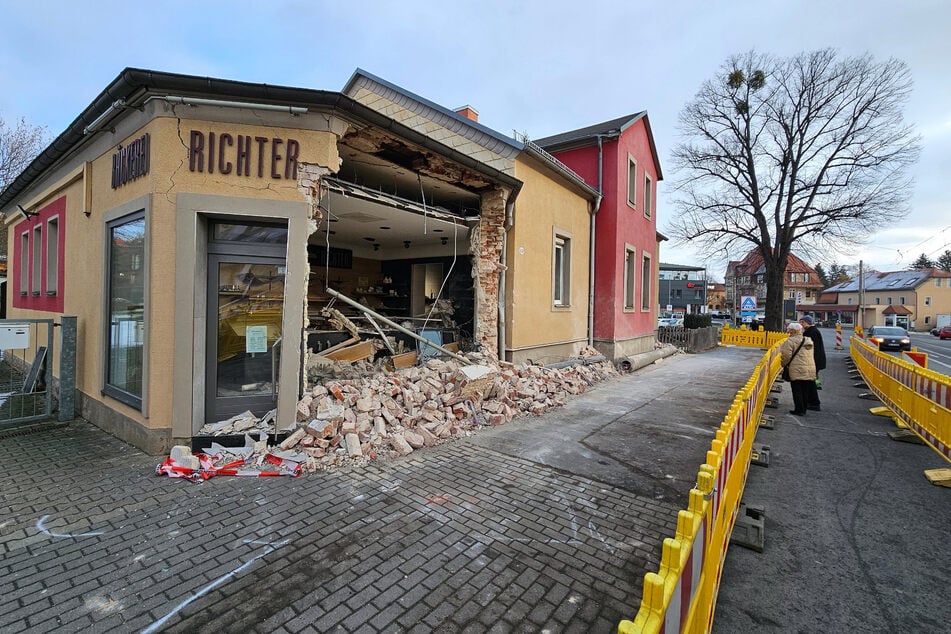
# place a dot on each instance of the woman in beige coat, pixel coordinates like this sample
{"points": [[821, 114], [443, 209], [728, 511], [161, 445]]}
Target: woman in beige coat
{"points": [[796, 353]]}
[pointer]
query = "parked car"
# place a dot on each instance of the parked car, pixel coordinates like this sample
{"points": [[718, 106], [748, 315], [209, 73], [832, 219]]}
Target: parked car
{"points": [[944, 332], [889, 337]]}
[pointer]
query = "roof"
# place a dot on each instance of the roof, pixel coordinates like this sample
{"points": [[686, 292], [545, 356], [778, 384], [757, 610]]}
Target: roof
{"points": [[893, 281], [896, 310], [133, 86], [359, 72], [588, 135], [753, 264], [461, 123], [680, 267], [614, 127]]}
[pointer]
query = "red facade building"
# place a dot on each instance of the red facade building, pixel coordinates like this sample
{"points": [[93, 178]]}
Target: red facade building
{"points": [[619, 159]]}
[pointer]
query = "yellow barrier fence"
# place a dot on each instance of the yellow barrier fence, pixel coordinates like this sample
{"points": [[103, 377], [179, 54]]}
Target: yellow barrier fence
{"points": [[682, 594], [751, 338], [921, 398]]}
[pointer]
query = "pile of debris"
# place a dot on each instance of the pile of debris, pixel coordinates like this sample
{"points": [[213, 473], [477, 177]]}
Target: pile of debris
{"points": [[349, 422]]}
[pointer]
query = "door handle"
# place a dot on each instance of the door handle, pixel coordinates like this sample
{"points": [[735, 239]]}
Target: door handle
{"points": [[275, 349]]}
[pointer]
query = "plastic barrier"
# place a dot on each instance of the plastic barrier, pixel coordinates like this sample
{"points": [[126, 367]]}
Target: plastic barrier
{"points": [[921, 398], [682, 594], [752, 338]]}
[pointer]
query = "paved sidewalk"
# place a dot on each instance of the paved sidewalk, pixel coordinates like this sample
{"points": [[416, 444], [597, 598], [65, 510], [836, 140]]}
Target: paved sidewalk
{"points": [[856, 536], [544, 524]]}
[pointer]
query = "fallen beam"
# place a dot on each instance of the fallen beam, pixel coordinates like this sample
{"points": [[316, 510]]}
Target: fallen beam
{"points": [[392, 324]]}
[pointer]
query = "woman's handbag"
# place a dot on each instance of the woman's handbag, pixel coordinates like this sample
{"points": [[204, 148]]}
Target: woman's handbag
{"points": [[785, 374]]}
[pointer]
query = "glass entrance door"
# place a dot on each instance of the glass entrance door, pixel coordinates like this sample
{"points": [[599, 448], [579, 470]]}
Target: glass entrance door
{"points": [[245, 320], [248, 312]]}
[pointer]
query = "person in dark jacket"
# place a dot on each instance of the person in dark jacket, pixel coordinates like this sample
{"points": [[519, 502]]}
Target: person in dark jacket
{"points": [[796, 356], [819, 356]]}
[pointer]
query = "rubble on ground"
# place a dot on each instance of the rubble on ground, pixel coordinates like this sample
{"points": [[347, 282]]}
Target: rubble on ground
{"points": [[383, 414]]}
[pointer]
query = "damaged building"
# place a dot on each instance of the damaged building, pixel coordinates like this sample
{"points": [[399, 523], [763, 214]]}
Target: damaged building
{"points": [[227, 246]]}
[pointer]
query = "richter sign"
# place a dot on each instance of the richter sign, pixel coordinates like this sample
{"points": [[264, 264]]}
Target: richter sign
{"points": [[240, 153]]}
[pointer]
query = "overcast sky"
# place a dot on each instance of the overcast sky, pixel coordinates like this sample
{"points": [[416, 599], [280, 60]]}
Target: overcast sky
{"points": [[539, 67]]}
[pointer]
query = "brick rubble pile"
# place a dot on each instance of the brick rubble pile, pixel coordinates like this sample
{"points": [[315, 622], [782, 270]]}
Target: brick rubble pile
{"points": [[348, 422]]}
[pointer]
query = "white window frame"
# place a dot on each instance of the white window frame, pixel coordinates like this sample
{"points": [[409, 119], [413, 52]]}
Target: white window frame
{"points": [[52, 255], [561, 269], [630, 277], [631, 182], [647, 276], [648, 196], [36, 275], [928, 300], [25, 263]]}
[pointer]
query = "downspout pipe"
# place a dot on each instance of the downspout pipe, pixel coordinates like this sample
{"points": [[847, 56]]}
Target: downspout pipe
{"points": [[591, 245], [509, 219]]}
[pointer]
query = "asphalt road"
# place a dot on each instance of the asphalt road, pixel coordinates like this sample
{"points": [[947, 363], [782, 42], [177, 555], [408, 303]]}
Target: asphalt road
{"points": [[856, 538]]}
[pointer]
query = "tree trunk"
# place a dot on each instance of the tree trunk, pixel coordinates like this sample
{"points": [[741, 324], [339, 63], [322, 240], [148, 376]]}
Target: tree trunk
{"points": [[775, 277]]}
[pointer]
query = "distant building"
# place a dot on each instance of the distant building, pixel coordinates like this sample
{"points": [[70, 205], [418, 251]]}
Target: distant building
{"points": [[915, 300], [716, 296], [747, 277], [682, 288]]}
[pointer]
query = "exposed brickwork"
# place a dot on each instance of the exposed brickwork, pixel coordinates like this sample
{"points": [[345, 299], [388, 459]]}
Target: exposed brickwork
{"points": [[486, 248]]}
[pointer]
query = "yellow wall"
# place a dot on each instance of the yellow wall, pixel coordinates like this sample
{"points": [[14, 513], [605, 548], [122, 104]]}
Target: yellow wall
{"points": [[542, 206], [157, 191]]}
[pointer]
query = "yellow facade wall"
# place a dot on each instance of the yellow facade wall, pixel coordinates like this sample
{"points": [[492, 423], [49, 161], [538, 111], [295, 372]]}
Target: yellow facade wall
{"points": [[168, 176], [545, 206]]}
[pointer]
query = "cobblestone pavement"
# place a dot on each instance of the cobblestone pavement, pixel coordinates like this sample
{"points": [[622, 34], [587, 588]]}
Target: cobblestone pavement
{"points": [[464, 537]]}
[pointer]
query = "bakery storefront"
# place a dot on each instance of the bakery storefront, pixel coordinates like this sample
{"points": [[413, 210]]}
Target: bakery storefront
{"points": [[218, 241]]}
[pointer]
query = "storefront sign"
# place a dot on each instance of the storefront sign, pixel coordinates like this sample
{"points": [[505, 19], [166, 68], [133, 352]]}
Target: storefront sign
{"points": [[130, 162], [242, 155]]}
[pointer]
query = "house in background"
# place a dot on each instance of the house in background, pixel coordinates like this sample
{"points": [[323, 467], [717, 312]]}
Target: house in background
{"points": [[716, 296], [682, 288], [747, 277], [914, 299], [619, 159]]}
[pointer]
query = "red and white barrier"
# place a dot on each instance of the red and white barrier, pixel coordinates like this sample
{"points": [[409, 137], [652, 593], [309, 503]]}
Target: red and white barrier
{"points": [[208, 469]]}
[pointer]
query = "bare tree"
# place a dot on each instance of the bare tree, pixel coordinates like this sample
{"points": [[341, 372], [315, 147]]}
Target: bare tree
{"points": [[18, 146], [810, 151]]}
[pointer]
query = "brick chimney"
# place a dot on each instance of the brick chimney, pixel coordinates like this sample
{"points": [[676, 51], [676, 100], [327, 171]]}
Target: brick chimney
{"points": [[468, 112]]}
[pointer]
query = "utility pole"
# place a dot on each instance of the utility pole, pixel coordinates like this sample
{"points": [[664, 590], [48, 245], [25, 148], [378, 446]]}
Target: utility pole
{"points": [[861, 297]]}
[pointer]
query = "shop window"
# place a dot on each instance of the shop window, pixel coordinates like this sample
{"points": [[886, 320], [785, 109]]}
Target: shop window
{"points": [[125, 296], [631, 181], [630, 277], [561, 271], [52, 256], [646, 282], [648, 194]]}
